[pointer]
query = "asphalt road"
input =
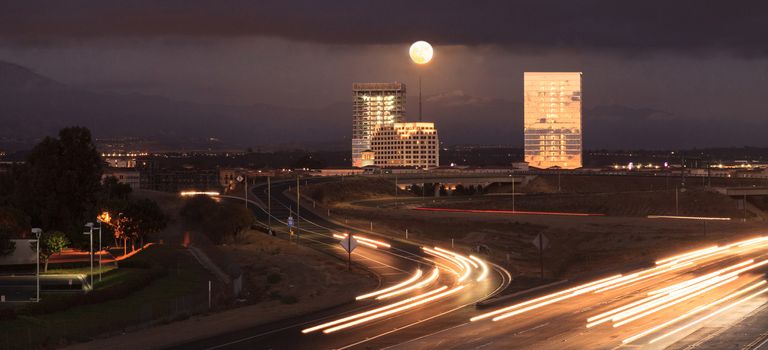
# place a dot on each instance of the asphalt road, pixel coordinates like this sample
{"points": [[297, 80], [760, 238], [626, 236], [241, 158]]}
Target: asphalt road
{"points": [[394, 265], [698, 295]]}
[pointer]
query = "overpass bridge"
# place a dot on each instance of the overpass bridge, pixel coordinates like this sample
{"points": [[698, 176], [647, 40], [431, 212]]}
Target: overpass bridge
{"points": [[451, 181], [742, 191]]}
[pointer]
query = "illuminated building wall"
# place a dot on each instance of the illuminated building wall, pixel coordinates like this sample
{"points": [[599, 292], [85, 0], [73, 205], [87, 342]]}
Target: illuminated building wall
{"points": [[406, 145], [374, 104], [552, 123]]}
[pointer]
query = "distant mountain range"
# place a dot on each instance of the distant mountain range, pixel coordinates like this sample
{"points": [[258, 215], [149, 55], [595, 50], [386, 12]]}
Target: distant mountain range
{"points": [[33, 106]]}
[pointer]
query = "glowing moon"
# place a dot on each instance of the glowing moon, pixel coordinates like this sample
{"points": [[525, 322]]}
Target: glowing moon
{"points": [[421, 52]]}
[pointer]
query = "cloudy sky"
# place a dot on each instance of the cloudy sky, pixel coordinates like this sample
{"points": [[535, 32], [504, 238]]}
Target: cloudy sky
{"points": [[686, 62]]}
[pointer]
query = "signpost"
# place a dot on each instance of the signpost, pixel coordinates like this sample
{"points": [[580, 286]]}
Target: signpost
{"points": [[240, 178], [541, 242], [349, 245], [290, 225]]}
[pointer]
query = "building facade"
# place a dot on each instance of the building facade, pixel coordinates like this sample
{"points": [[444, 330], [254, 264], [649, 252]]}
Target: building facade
{"points": [[124, 176], [406, 145], [374, 105], [552, 119]]}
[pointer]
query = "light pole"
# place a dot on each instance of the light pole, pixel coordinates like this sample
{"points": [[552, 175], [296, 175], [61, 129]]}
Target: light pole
{"points": [[99, 221], [37, 232], [269, 204], [298, 208], [90, 234]]}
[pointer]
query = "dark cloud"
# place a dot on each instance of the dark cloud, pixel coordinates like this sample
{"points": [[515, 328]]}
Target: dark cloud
{"points": [[626, 27]]}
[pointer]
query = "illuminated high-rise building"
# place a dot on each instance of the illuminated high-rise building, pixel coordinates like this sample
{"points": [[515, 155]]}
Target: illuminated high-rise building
{"points": [[552, 122], [374, 105]]}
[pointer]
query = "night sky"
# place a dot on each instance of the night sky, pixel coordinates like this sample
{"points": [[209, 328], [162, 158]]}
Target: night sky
{"points": [[670, 73]]}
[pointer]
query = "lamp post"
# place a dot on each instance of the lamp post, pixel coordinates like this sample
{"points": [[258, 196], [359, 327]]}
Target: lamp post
{"points": [[37, 232], [269, 204], [99, 228], [90, 234]]}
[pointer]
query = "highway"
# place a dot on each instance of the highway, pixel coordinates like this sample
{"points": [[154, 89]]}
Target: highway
{"points": [[427, 296], [422, 289], [653, 308]]}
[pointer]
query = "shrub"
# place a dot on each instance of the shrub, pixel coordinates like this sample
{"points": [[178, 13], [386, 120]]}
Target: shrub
{"points": [[274, 278]]}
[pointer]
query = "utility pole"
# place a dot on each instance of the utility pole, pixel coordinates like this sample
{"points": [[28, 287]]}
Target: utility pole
{"points": [[395, 191], [349, 252], [99, 221], [541, 255], [38, 234], [90, 235], [419, 97], [269, 204], [298, 208], [677, 201], [513, 195], [246, 190], [745, 207]]}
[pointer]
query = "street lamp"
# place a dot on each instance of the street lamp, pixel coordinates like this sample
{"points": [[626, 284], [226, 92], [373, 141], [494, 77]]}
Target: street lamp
{"points": [[37, 232], [90, 234], [98, 220]]}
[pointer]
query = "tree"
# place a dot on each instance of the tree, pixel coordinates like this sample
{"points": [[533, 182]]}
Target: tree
{"points": [[147, 218], [113, 190], [50, 243], [13, 224], [139, 219], [60, 182]]}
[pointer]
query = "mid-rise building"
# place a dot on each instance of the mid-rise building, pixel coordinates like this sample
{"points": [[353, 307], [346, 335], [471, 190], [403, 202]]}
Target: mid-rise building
{"points": [[129, 177], [374, 105], [552, 120], [406, 145]]}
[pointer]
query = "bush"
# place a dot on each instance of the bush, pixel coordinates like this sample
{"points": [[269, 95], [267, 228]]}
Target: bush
{"points": [[274, 278]]}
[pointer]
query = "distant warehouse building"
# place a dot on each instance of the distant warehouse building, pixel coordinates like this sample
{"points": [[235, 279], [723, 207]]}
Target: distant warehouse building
{"points": [[406, 145], [552, 119]]}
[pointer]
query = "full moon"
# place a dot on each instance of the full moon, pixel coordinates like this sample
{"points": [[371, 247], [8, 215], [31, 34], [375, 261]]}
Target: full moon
{"points": [[421, 52]]}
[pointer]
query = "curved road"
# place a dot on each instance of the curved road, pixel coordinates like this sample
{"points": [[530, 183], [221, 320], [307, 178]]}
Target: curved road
{"points": [[434, 289]]}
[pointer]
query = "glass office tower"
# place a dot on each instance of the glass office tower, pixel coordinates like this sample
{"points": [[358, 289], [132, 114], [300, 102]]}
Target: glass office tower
{"points": [[374, 105], [552, 119]]}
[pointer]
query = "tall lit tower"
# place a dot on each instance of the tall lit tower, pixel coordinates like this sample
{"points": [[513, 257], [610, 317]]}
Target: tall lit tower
{"points": [[374, 105], [552, 122]]}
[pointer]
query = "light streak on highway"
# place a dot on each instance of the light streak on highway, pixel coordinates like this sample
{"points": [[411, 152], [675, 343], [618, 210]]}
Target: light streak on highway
{"points": [[415, 277], [368, 242], [546, 297], [704, 318], [466, 264], [484, 268], [373, 311], [664, 304], [432, 278], [693, 312], [410, 305]]}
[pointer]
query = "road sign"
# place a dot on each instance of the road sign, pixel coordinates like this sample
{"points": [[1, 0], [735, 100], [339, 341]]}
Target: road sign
{"points": [[290, 221], [349, 244], [541, 238], [240, 178]]}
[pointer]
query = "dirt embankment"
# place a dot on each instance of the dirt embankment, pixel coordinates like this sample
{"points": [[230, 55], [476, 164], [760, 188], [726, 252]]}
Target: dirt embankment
{"points": [[688, 203], [578, 245], [615, 184], [349, 189], [278, 272]]}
